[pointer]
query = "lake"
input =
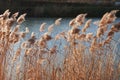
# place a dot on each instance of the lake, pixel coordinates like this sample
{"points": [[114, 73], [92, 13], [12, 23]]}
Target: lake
{"points": [[34, 24]]}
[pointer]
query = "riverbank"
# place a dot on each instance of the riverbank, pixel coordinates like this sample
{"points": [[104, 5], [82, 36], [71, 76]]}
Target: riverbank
{"points": [[45, 9]]}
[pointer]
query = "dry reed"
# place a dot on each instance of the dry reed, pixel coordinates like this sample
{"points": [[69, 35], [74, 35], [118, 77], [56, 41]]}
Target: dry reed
{"points": [[35, 60]]}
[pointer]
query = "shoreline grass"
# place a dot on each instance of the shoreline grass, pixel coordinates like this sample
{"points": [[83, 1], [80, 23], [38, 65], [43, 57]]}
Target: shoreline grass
{"points": [[34, 59]]}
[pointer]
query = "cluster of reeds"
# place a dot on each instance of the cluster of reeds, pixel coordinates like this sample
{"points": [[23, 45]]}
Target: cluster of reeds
{"points": [[85, 56]]}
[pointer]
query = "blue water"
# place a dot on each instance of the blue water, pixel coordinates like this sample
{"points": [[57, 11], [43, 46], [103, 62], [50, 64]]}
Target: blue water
{"points": [[34, 23]]}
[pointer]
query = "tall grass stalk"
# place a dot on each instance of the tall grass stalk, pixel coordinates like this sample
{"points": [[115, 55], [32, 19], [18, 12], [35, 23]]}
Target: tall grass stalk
{"points": [[85, 56]]}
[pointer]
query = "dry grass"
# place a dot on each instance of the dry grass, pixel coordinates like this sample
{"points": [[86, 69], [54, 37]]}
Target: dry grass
{"points": [[34, 60]]}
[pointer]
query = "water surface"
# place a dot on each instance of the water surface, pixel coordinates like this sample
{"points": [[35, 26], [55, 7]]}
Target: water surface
{"points": [[34, 24]]}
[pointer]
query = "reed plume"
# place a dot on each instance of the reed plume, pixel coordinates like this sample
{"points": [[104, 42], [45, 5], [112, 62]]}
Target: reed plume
{"points": [[69, 55]]}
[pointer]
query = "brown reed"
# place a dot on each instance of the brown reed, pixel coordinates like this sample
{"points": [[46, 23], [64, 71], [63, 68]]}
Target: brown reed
{"points": [[35, 60]]}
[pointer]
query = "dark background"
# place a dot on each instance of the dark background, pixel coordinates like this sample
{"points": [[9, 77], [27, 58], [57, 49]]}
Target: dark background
{"points": [[60, 8]]}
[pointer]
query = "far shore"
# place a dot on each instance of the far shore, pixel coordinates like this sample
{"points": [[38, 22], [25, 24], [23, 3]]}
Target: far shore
{"points": [[45, 9]]}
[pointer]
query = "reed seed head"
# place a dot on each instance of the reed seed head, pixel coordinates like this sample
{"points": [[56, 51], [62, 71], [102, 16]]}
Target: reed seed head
{"points": [[21, 19], [42, 27], [58, 21]]}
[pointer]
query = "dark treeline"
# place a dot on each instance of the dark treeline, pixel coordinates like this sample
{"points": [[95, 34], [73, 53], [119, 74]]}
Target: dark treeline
{"points": [[55, 9]]}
